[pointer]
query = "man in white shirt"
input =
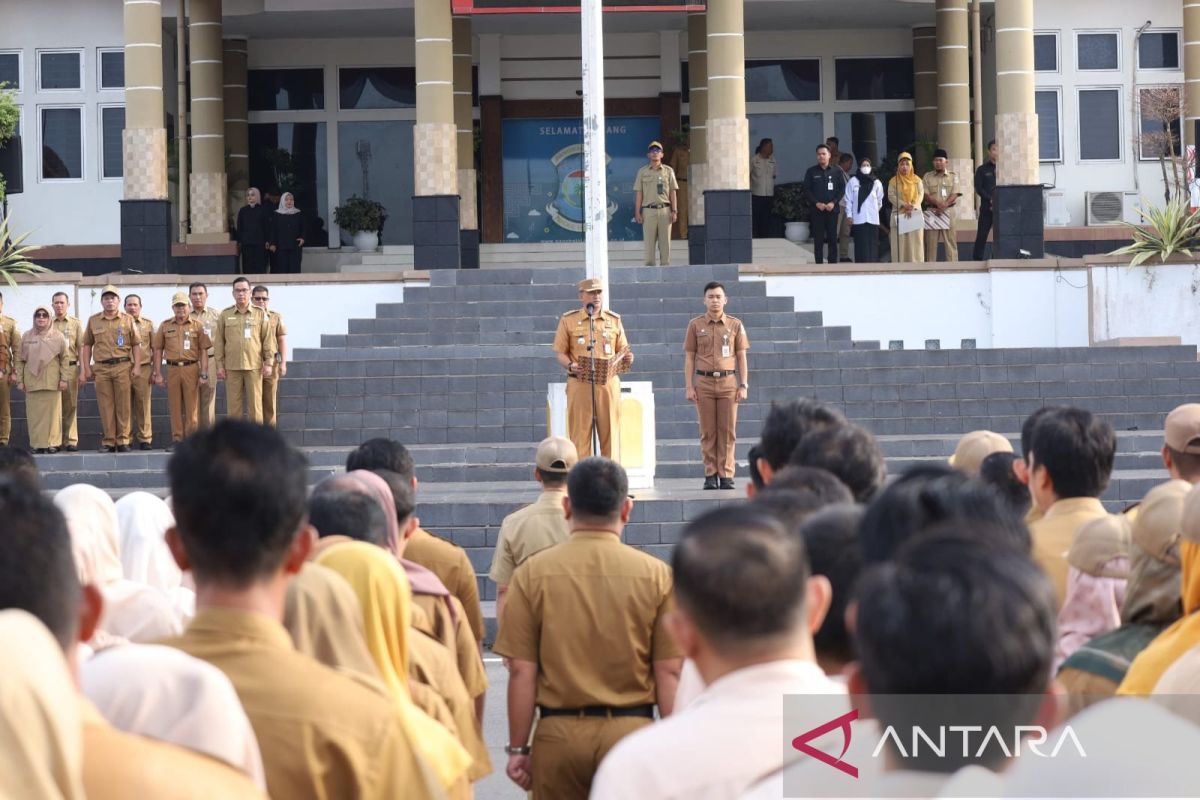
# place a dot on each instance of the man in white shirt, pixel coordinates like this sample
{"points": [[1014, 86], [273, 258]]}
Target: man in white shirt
{"points": [[745, 606], [763, 172]]}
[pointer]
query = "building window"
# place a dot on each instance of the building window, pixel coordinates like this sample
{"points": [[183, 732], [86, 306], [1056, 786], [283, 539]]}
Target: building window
{"points": [[1045, 52], [112, 69], [874, 78], [876, 135], [62, 143], [10, 70], [377, 87], [790, 80], [1160, 109], [1048, 104], [1098, 51], [112, 126], [1158, 50], [1099, 124], [286, 89], [60, 69]]}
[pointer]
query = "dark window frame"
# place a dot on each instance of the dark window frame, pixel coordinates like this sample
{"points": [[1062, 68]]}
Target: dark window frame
{"points": [[41, 124], [903, 68], [1081, 128], [252, 89], [59, 51]]}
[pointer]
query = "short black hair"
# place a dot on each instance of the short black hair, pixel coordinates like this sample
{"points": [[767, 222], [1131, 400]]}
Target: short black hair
{"points": [[708, 287], [60, 294], [381, 453], [238, 490], [990, 143], [259, 288], [19, 463], [764, 141], [37, 568], [240, 279], [1077, 448], [344, 513], [786, 424], [1027, 429], [752, 456], [197, 285], [552, 480], [825, 147], [831, 541], [926, 496], [996, 472], [741, 578], [139, 298], [403, 496], [796, 492], [848, 451], [1188, 464], [833, 139], [598, 487], [846, 158]]}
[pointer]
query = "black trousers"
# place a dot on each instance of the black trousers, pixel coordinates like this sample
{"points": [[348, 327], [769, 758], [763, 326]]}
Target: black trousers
{"points": [[763, 216], [286, 262], [985, 225], [825, 234], [866, 243], [254, 258]]}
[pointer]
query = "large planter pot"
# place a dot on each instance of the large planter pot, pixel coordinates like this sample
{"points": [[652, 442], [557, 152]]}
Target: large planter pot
{"points": [[796, 232], [366, 241]]}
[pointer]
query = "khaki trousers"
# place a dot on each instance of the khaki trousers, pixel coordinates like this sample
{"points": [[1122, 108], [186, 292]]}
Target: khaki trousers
{"points": [[208, 399], [43, 407], [608, 418], [656, 228], [243, 394], [949, 240], [716, 405], [567, 751], [681, 218], [5, 410], [843, 235], [70, 406], [270, 391], [113, 396], [143, 424], [183, 397]]}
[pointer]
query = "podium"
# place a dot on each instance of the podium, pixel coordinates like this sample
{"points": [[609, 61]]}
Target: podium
{"points": [[638, 439]]}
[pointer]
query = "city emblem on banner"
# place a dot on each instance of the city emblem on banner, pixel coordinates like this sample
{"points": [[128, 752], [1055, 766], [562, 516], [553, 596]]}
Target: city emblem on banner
{"points": [[567, 206]]}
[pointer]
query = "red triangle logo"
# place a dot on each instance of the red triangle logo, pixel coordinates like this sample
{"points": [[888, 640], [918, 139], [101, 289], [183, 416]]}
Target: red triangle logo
{"points": [[801, 742]]}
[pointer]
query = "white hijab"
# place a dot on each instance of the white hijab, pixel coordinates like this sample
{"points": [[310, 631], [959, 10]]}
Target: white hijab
{"points": [[166, 694], [284, 209], [145, 558], [132, 610]]}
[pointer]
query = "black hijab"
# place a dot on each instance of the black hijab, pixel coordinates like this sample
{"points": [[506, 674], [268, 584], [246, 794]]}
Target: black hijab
{"points": [[866, 183]]}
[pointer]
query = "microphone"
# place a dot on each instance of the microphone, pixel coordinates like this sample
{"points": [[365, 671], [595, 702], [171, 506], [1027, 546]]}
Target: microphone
{"points": [[591, 309]]}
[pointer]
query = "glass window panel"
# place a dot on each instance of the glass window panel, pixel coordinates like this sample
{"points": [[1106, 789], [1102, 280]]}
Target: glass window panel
{"points": [[1098, 50], [1099, 125], [874, 78], [10, 70], [286, 89], [112, 124], [796, 79], [290, 157], [796, 135], [1049, 139], [1159, 138], [1158, 50], [1045, 52], [377, 87], [112, 69], [62, 143], [60, 70], [375, 161], [876, 135], [684, 94]]}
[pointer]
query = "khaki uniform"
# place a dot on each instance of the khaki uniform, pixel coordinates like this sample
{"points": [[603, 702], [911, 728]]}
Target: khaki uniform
{"points": [[452, 566], [271, 384], [143, 423], [242, 343], [656, 186], [72, 331], [571, 339], [9, 326], [112, 342], [43, 400], [716, 345], [588, 656], [208, 391], [528, 531], [442, 618], [1054, 533], [943, 187], [181, 344]]}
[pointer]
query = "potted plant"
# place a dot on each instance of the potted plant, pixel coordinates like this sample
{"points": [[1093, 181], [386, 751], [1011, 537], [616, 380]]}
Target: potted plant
{"points": [[791, 204], [362, 217]]}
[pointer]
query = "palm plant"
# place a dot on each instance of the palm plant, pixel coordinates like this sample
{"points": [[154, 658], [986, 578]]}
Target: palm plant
{"points": [[14, 255], [1174, 228]]}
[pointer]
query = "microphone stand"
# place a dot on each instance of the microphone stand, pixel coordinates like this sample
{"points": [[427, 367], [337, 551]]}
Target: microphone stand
{"points": [[591, 348]]}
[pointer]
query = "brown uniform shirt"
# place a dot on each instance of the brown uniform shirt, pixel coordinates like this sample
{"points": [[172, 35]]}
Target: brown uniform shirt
{"points": [[111, 338], [1054, 533], [443, 619], [572, 336], [208, 320], [243, 339], [453, 568], [171, 338], [277, 327], [590, 613], [655, 185], [527, 531], [13, 348], [72, 331], [146, 334], [708, 338]]}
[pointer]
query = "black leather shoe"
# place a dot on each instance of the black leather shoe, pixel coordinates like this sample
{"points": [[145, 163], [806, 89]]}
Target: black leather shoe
{"points": [[122, 448], [144, 446], [726, 483], [710, 482], [107, 448], [50, 450], [71, 448], [169, 447], [38, 451]]}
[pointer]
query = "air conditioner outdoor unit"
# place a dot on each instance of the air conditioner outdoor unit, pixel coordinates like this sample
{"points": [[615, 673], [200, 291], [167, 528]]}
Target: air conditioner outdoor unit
{"points": [[1111, 208]]}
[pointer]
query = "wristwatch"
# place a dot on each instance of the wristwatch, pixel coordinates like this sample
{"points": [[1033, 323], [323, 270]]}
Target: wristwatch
{"points": [[204, 375], [523, 750], [743, 386]]}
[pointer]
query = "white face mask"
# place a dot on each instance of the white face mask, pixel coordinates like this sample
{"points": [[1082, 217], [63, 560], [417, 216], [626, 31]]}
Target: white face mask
{"points": [[865, 170]]}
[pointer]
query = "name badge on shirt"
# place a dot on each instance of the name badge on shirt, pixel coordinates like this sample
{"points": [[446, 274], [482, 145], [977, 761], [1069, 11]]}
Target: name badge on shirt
{"points": [[187, 342], [943, 191], [829, 185], [246, 332], [726, 351], [607, 349], [120, 337]]}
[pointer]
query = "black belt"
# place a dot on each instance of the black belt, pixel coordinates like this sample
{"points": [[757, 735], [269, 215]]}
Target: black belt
{"points": [[181, 363], [123, 360], [646, 711], [726, 374], [657, 205]]}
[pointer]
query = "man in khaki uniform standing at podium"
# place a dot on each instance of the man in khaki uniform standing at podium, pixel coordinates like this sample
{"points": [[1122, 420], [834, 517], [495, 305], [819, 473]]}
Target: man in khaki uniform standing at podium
{"points": [[570, 346]]}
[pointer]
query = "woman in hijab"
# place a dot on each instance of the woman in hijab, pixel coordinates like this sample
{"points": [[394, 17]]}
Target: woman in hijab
{"points": [[132, 611], [165, 694], [863, 200], [1098, 570], [905, 192], [286, 237], [145, 558], [251, 233], [386, 602], [41, 371], [41, 733]]}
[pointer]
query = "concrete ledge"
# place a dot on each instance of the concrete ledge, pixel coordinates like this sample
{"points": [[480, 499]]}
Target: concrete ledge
{"points": [[303, 279], [1139, 341], [919, 268]]}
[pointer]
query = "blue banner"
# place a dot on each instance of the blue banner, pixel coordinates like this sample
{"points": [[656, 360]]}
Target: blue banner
{"points": [[544, 178]]}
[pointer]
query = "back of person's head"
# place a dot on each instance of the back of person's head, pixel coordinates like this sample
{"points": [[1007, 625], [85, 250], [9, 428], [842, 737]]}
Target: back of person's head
{"points": [[831, 541], [380, 453], [403, 495], [850, 453], [20, 464], [597, 488], [786, 424], [996, 471], [930, 494], [752, 457], [343, 513], [1077, 449], [1027, 429], [239, 495], [37, 569], [797, 492], [741, 579]]}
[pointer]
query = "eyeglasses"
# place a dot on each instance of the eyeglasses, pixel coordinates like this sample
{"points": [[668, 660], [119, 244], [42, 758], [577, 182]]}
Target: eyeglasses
{"points": [[41, 314], [260, 297]]}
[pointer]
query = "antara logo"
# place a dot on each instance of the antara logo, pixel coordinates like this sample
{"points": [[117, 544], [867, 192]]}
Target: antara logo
{"points": [[801, 742]]}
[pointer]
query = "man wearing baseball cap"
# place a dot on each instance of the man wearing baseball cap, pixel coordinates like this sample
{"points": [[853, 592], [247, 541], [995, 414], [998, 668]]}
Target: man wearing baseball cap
{"points": [[540, 524], [656, 204], [974, 447], [1181, 446], [112, 341], [182, 342]]}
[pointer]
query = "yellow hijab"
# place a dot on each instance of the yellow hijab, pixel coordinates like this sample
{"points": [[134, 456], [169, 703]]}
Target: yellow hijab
{"points": [[386, 599], [908, 186]]}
